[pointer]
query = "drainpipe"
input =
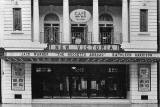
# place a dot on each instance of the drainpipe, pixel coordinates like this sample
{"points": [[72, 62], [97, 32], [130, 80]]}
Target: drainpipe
{"points": [[158, 29], [158, 50]]}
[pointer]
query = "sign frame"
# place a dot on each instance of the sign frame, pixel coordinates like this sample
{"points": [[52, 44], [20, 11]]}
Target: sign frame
{"points": [[80, 15], [144, 77], [18, 77]]}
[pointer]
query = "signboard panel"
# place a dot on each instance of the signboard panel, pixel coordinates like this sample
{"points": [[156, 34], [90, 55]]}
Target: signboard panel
{"points": [[18, 76], [80, 15], [144, 78], [92, 47], [82, 54]]}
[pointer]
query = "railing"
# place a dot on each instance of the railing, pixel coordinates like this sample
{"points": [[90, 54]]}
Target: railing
{"points": [[106, 38], [51, 38], [81, 38]]}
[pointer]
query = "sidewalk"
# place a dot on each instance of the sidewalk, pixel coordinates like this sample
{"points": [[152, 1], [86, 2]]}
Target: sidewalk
{"points": [[79, 105]]}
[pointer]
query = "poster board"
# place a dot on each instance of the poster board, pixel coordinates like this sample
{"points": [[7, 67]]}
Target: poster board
{"points": [[18, 77], [144, 77]]}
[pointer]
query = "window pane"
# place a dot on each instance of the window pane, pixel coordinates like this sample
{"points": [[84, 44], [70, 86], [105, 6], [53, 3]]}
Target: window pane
{"points": [[143, 20], [17, 23]]}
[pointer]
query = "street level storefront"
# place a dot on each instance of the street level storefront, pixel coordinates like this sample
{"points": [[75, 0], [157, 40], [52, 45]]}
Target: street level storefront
{"points": [[79, 81], [41, 76]]}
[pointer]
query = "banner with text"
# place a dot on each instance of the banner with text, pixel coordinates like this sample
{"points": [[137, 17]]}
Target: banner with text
{"points": [[81, 54]]}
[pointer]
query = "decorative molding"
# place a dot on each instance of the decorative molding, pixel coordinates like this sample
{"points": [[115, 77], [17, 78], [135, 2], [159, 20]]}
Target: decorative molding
{"points": [[79, 60]]}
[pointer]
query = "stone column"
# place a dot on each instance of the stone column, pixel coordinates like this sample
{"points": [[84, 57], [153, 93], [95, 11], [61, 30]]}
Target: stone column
{"points": [[95, 34], [36, 33], [125, 26], [66, 23]]}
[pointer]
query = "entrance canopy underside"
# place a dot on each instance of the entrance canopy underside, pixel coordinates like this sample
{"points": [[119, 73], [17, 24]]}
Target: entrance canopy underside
{"points": [[98, 57], [78, 60]]}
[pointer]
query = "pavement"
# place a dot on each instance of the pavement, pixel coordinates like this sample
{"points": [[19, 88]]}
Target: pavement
{"points": [[79, 105]]}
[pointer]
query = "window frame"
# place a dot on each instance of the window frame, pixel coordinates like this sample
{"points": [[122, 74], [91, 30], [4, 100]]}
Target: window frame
{"points": [[143, 20], [146, 69], [17, 19]]}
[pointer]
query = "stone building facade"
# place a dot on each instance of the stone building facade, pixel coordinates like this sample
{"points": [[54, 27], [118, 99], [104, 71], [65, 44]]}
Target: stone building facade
{"points": [[73, 51]]}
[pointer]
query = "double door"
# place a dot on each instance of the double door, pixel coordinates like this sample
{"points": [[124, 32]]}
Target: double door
{"points": [[106, 33], [79, 33], [51, 33]]}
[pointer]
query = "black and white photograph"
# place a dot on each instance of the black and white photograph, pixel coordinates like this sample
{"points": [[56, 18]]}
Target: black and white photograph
{"points": [[79, 53]]}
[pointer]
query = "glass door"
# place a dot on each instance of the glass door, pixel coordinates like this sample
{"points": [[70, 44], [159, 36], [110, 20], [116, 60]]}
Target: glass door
{"points": [[79, 33], [106, 33], [78, 87], [51, 33], [115, 83], [78, 82]]}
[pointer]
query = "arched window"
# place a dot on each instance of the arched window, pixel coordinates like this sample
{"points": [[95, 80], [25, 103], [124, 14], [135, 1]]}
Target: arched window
{"points": [[51, 29], [106, 28], [105, 17], [51, 17]]}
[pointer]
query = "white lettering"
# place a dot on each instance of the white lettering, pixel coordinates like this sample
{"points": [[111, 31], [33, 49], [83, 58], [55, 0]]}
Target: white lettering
{"points": [[25, 54], [143, 55], [96, 54], [40, 54], [121, 54], [77, 54]]}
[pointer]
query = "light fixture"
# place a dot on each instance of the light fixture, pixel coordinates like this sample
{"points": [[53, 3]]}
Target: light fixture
{"points": [[73, 67]]}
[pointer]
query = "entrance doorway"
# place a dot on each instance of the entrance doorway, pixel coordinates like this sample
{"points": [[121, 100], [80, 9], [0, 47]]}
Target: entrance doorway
{"points": [[79, 81], [51, 29], [79, 33], [106, 29], [106, 34], [51, 33]]}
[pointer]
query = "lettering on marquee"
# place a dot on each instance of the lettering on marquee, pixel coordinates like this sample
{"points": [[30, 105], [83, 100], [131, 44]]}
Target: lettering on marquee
{"points": [[83, 54], [132, 54]]}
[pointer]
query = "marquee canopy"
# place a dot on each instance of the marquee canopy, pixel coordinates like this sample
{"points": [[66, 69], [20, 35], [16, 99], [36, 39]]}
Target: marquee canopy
{"points": [[79, 57]]}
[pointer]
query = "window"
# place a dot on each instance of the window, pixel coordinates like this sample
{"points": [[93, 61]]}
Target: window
{"points": [[143, 20], [17, 22]]}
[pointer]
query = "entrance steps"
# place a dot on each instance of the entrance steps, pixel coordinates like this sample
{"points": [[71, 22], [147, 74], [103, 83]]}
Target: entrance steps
{"points": [[82, 101]]}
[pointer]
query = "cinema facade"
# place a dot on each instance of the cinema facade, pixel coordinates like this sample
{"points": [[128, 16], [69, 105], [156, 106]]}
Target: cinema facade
{"points": [[79, 51]]}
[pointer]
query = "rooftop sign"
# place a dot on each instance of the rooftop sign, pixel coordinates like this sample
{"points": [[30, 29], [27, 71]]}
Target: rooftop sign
{"points": [[80, 15]]}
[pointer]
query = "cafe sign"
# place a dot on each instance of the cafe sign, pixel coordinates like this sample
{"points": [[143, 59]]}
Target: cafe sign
{"points": [[80, 15]]}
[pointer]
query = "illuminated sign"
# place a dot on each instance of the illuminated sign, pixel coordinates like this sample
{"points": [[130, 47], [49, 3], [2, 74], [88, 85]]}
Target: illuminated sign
{"points": [[80, 15]]}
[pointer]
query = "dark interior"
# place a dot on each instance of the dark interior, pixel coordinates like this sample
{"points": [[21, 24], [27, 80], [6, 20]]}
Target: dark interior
{"points": [[79, 81]]}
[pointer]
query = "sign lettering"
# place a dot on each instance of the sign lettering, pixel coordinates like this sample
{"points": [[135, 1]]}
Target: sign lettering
{"points": [[80, 15], [83, 54], [85, 47]]}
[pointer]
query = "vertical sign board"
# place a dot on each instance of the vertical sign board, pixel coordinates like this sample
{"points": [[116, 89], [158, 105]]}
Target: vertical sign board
{"points": [[144, 77], [18, 76]]}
